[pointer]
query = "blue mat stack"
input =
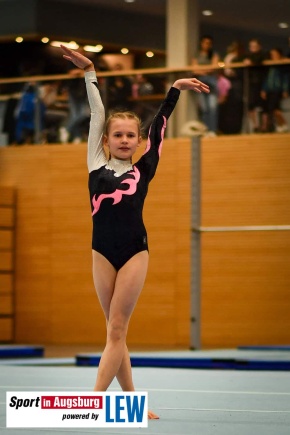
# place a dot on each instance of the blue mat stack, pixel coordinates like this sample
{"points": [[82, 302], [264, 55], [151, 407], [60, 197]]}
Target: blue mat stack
{"points": [[21, 351], [241, 359]]}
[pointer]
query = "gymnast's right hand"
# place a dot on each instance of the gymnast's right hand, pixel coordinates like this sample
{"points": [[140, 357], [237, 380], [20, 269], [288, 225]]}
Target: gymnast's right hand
{"points": [[77, 59]]}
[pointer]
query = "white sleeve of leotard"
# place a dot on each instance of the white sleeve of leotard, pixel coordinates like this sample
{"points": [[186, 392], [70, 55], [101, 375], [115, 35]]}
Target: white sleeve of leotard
{"points": [[96, 155]]}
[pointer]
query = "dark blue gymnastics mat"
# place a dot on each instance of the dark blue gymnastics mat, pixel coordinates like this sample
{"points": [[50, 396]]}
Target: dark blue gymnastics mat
{"points": [[21, 351], [220, 359]]}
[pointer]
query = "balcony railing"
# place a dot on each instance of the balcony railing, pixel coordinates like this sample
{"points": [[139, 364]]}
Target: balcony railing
{"points": [[43, 109]]}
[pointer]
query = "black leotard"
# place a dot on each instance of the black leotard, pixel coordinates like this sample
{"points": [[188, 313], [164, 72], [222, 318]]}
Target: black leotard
{"points": [[118, 189]]}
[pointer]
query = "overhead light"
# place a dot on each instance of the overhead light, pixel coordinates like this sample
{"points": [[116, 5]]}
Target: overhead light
{"points": [[124, 50], [45, 40], [149, 54], [207, 12], [283, 25], [72, 44], [129, 1], [19, 39], [93, 48]]}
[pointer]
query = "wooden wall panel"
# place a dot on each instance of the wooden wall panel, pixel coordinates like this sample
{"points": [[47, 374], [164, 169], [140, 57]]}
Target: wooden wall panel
{"points": [[245, 180], [6, 217], [6, 304], [245, 288], [6, 283], [6, 239], [55, 297], [6, 261], [6, 330], [7, 266], [245, 275], [27, 169], [7, 195]]}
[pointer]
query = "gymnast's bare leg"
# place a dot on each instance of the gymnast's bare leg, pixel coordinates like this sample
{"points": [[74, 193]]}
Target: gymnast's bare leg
{"points": [[118, 293]]}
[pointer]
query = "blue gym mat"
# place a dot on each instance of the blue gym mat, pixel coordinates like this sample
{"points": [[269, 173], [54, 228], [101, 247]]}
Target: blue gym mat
{"points": [[244, 358], [220, 359], [21, 351]]}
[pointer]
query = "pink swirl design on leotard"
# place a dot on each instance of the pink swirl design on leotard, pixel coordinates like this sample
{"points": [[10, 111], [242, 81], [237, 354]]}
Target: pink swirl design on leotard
{"points": [[117, 195], [148, 145]]}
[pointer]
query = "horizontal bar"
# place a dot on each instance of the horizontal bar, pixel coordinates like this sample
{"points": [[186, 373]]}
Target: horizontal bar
{"points": [[241, 228]]}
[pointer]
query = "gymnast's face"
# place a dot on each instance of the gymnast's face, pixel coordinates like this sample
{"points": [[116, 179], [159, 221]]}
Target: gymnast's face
{"points": [[123, 138]]}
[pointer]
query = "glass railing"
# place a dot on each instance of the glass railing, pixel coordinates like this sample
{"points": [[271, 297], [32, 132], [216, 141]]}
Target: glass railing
{"points": [[54, 109]]}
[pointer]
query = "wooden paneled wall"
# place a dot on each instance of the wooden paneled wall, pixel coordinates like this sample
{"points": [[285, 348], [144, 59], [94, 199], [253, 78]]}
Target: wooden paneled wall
{"points": [[245, 274], [55, 299], [7, 267]]}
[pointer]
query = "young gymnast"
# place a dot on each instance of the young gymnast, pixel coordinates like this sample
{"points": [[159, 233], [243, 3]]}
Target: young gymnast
{"points": [[117, 192]]}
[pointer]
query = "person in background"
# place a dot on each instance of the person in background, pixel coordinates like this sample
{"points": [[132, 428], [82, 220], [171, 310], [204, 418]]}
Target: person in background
{"points": [[235, 53], [288, 48], [274, 89], [29, 111], [233, 108], [208, 103], [78, 106], [256, 74], [55, 114], [224, 86], [144, 108], [288, 57], [119, 90]]}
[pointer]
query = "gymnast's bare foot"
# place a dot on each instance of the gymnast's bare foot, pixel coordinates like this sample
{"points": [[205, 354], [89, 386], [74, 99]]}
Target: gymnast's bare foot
{"points": [[152, 416]]}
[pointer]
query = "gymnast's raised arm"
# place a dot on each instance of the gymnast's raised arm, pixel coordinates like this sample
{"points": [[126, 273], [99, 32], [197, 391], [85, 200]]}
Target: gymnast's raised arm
{"points": [[96, 156]]}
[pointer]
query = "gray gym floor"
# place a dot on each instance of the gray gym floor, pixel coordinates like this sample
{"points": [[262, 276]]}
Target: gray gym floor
{"points": [[188, 401]]}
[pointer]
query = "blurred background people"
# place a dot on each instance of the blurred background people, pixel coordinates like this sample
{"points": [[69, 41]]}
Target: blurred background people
{"points": [[275, 87], [79, 111], [223, 86], [256, 74], [29, 111], [56, 112], [144, 107], [119, 91], [233, 107], [208, 103]]}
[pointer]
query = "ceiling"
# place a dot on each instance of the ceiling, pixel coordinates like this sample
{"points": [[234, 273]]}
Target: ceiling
{"points": [[262, 16]]}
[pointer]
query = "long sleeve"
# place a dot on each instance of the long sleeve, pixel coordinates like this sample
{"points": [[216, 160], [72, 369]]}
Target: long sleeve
{"points": [[159, 122], [150, 158], [96, 156]]}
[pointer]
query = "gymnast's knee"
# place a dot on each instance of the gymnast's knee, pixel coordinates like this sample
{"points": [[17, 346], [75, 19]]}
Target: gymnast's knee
{"points": [[116, 330]]}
